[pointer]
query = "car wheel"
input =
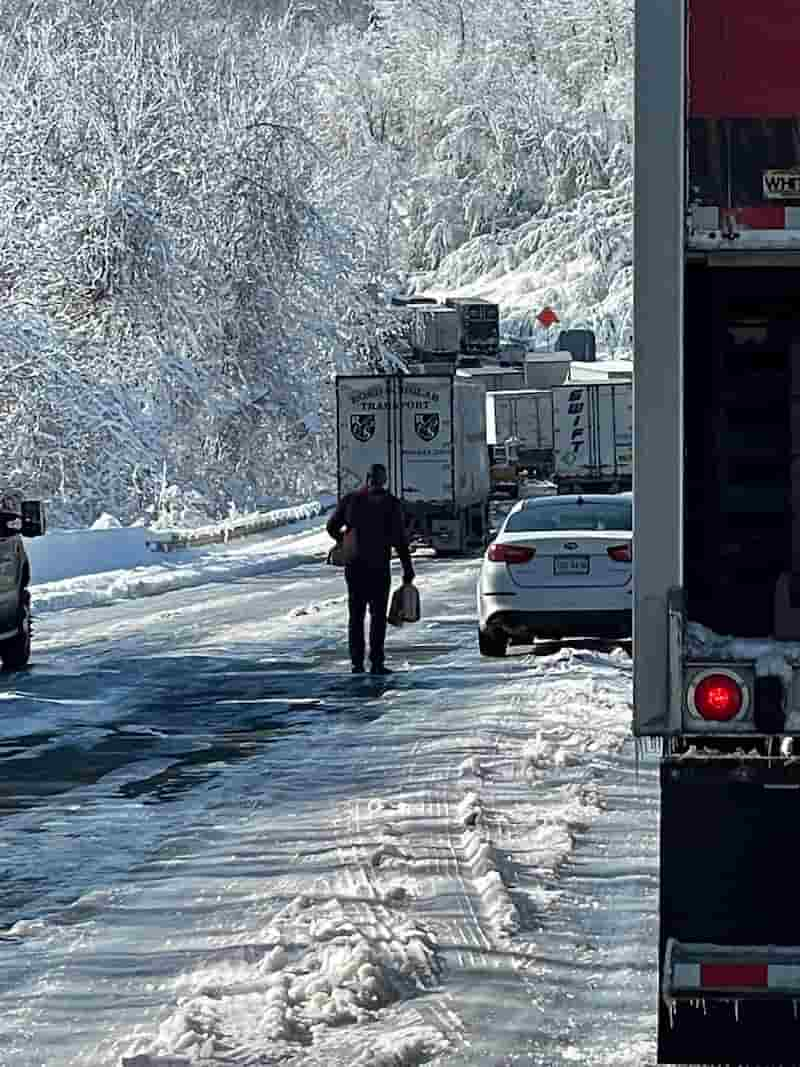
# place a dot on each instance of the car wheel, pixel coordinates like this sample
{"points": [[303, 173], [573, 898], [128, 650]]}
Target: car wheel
{"points": [[492, 644], [16, 651]]}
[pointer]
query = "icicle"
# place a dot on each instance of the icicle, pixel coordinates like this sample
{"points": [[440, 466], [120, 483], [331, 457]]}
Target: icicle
{"points": [[794, 1008], [736, 1010], [672, 1011], [638, 753], [705, 1005]]}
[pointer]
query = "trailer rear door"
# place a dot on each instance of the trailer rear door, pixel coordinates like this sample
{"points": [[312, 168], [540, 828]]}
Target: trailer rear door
{"points": [[593, 431], [426, 438], [534, 419], [364, 428]]}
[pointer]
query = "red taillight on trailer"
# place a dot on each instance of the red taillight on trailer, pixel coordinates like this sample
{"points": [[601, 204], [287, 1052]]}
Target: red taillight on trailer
{"points": [[718, 698], [499, 553], [621, 553]]}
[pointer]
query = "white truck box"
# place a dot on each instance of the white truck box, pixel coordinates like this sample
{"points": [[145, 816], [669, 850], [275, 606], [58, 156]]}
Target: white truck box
{"points": [[543, 370], [524, 415], [430, 433], [494, 377], [593, 436], [435, 330]]}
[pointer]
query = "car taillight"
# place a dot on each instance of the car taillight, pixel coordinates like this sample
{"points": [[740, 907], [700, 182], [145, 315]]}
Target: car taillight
{"points": [[621, 553], [718, 698], [510, 553]]}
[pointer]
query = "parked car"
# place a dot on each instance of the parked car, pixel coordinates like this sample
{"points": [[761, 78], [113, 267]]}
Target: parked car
{"points": [[560, 566]]}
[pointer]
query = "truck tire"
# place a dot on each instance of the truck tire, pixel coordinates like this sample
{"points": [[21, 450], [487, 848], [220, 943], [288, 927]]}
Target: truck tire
{"points": [[16, 651], [492, 645]]}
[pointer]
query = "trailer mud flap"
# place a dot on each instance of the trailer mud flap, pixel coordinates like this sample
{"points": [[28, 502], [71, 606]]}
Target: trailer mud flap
{"points": [[729, 944]]}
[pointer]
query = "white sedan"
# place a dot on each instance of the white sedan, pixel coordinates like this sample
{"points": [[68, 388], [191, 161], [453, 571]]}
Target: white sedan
{"points": [[561, 566]]}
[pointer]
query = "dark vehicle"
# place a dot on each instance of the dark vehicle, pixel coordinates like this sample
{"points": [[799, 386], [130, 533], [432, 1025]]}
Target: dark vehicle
{"points": [[581, 345], [480, 325], [717, 514], [18, 518]]}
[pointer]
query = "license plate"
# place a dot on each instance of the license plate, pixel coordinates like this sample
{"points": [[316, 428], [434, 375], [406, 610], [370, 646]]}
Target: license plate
{"points": [[571, 565]]}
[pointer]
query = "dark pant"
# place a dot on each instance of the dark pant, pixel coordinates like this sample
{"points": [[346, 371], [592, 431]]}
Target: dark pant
{"points": [[367, 587]]}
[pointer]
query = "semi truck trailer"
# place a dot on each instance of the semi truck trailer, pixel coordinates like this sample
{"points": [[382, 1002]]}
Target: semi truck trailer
{"points": [[429, 431], [593, 437], [717, 515], [524, 417]]}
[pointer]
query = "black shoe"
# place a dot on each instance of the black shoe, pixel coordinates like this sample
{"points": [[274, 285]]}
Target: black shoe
{"points": [[379, 668], [357, 668]]}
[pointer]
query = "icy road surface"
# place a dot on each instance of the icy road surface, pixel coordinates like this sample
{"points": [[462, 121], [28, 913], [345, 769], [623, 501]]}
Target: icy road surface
{"points": [[217, 847]]}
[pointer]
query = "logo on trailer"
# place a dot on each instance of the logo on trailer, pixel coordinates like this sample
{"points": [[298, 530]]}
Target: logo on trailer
{"points": [[781, 184], [362, 427], [427, 425], [575, 408]]}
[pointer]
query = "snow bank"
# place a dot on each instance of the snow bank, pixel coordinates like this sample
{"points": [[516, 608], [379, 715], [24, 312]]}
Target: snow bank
{"points": [[63, 554], [320, 966], [85, 568]]}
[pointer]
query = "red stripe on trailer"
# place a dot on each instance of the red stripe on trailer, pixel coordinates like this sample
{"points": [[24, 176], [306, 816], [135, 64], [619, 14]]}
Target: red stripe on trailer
{"points": [[743, 58], [734, 975], [762, 217]]}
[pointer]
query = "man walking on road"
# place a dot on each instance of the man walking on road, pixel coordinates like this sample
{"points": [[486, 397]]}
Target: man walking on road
{"points": [[376, 516]]}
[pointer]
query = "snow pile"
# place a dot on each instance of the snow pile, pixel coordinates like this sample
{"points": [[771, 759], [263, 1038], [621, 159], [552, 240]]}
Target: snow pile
{"points": [[770, 658], [322, 965], [769, 655], [93, 568], [538, 753], [476, 844], [106, 522]]}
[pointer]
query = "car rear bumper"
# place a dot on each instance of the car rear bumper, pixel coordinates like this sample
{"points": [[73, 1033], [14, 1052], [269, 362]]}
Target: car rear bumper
{"points": [[523, 624]]}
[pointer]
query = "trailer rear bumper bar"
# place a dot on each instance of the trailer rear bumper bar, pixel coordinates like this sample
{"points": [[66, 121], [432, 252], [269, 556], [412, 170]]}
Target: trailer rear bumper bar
{"points": [[736, 972]]}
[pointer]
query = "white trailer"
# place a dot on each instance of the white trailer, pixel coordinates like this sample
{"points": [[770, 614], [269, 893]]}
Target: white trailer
{"points": [[593, 437], [717, 515], [430, 433], [494, 377], [524, 416], [435, 331], [543, 370]]}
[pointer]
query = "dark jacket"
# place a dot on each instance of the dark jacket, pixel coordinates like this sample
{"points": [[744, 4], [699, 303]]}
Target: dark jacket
{"points": [[377, 518]]}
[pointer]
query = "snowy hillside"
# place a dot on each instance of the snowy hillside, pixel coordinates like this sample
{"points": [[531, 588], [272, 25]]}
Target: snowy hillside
{"points": [[204, 208]]}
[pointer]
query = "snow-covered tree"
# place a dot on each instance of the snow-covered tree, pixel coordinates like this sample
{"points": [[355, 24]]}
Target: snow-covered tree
{"points": [[202, 207]]}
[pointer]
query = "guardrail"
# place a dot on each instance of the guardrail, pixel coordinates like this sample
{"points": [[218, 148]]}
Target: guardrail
{"points": [[231, 529]]}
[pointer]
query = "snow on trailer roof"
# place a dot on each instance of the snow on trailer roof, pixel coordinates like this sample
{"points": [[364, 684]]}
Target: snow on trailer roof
{"points": [[519, 392], [603, 370], [548, 357], [489, 369]]}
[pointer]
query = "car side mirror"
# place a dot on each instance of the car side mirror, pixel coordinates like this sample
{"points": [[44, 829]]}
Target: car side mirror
{"points": [[10, 524], [34, 519]]}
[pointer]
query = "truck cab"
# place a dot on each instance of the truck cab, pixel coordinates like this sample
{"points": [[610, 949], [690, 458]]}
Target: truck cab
{"points": [[504, 469]]}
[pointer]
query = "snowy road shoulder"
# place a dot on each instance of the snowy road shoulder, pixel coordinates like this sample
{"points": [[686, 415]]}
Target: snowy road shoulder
{"points": [[182, 569]]}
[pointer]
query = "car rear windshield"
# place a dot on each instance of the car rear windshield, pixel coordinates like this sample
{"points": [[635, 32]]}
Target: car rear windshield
{"points": [[563, 515]]}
